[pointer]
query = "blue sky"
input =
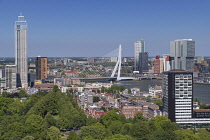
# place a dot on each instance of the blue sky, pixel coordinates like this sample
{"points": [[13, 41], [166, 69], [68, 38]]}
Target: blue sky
{"points": [[80, 28]]}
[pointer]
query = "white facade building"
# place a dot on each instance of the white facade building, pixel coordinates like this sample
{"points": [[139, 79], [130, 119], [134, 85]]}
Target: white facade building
{"points": [[166, 62]]}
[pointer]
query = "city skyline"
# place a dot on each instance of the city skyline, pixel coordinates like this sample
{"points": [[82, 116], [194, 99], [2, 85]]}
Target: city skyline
{"points": [[102, 26]]}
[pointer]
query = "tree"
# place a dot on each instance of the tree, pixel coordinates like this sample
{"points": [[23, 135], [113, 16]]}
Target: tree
{"points": [[28, 138], [119, 137], [55, 88], [96, 99], [82, 75], [4, 102], [72, 136], [103, 108], [49, 121], [203, 134], [34, 123], [63, 74], [15, 107], [5, 94], [43, 93], [121, 88], [126, 129], [158, 102], [103, 89], [22, 94], [96, 131], [90, 121], [202, 106], [53, 133], [81, 85], [13, 130], [164, 135], [129, 91], [109, 117], [98, 91], [71, 91], [140, 130], [139, 117], [115, 127], [162, 123], [185, 134]]}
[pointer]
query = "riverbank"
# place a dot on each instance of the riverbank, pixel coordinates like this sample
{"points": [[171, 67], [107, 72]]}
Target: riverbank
{"points": [[200, 91]]}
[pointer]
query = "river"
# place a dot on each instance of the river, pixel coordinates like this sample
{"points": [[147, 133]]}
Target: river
{"points": [[201, 91]]}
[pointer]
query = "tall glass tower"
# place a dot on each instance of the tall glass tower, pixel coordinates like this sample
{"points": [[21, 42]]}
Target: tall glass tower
{"points": [[139, 47], [21, 58], [182, 54]]}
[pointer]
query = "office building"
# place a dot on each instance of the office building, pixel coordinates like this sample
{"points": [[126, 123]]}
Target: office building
{"points": [[178, 94], [143, 62], [201, 113], [41, 68], [11, 76], [178, 100], [182, 54], [21, 60], [139, 47]]}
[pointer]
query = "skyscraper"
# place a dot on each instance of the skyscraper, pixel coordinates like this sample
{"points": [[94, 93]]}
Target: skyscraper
{"points": [[178, 100], [143, 62], [182, 54], [21, 60], [139, 47], [41, 68], [178, 95]]}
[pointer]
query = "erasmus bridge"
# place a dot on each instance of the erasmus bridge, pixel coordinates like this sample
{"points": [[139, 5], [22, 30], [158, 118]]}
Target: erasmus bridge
{"points": [[109, 67], [118, 65]]}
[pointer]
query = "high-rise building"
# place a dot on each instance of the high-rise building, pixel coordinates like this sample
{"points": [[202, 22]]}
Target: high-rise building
{"points": [[182, 54], [178, 95], [143, 62], [11, 76], [41, 67], [21, 60], [158, 64], [178, 100], [139, 47], [166, 62]]}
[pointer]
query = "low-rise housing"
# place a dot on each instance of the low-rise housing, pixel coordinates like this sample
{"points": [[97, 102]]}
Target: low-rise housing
{"points": [[130, 110]]}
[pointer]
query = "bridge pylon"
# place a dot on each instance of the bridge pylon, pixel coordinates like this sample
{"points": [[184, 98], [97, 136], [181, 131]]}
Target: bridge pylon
{"points": [[118, 64]]}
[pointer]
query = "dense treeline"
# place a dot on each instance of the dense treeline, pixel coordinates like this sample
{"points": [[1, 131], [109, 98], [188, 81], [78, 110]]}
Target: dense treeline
{"points": [[39, 116], [42, 117], [113, 126]]}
